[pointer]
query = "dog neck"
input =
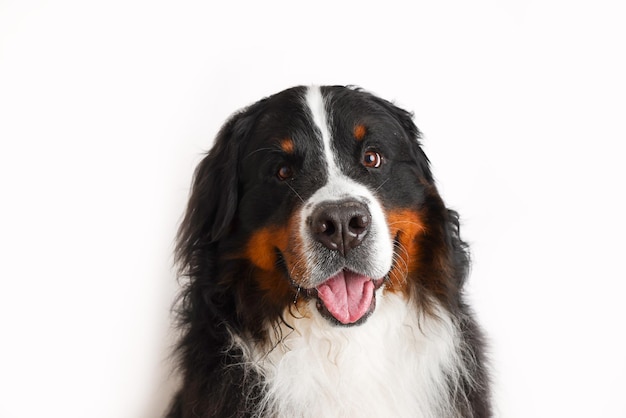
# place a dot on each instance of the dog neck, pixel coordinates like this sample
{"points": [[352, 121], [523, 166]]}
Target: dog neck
{"points": [[398, 363]]}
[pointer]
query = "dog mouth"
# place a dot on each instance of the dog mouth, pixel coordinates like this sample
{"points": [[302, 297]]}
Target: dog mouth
{"points": [[347, 297]]}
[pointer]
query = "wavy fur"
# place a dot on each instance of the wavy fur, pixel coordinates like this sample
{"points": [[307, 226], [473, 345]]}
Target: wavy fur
{"points": [[254, 343]]}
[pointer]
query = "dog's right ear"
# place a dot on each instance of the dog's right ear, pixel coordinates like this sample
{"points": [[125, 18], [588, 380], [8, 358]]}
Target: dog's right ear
{"points": [[213, 199]]}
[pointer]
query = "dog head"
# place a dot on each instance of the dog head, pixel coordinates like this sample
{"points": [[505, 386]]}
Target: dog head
{"points": [[317, 196]]}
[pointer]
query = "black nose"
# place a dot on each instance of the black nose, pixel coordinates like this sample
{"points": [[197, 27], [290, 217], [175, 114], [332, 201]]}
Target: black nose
{"points": [[340, 226]]}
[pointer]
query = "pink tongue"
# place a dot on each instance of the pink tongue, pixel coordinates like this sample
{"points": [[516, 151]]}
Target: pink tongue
{"points": [[347, 296]]}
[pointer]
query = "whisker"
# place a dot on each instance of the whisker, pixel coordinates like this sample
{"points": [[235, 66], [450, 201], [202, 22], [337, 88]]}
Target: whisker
{"points": [[381, 184], [406, 222], [295, 299], [258, 150], [293, 190], [400, 260]]}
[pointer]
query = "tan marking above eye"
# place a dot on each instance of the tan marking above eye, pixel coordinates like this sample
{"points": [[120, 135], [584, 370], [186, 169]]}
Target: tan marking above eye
{"points": [[359, 132], [287, 145]]}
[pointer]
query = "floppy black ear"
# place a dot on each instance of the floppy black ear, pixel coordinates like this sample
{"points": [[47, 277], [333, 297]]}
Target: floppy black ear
{"points": [[213, 199]]}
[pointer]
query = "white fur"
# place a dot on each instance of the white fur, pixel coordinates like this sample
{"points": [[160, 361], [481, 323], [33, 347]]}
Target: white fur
{"points": [[399, 363], [394, 365], [339, 187], [317, 107]]}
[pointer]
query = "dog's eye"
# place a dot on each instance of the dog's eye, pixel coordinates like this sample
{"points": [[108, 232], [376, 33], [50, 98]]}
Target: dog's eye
{"points": [[285, 172], [372, 159]]}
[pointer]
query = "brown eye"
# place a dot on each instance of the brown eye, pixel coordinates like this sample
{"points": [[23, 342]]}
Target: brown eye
{"points": [[372, 159], [285, 172]]}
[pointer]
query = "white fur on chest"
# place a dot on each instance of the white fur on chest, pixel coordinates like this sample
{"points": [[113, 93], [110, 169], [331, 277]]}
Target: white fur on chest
{"points": [[393, 365]]}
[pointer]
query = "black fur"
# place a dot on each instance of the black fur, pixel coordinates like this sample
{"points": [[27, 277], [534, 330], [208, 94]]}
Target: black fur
{"points": [[232, 194]]}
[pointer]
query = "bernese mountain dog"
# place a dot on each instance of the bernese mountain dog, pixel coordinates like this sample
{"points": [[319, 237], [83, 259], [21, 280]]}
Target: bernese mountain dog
{"points": [[322, 274]]}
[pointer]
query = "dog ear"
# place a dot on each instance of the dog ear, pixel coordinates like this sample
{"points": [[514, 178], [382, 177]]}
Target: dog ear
{"points": [[213, 199]]}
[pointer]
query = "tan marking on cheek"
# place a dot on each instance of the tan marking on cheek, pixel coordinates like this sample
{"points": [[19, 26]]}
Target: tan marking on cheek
{"points": [[261, 248], [287, 145], [406, 225], [359, 132], [274, 285], [261, 251]]}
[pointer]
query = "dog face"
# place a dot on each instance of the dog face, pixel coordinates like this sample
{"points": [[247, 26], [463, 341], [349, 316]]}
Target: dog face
{"points": [[319, 194], [315, 242]]}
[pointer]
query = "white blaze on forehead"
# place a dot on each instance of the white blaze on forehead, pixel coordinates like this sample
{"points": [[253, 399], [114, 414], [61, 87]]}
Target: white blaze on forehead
{"points": [[340, 186], [317, 106]]}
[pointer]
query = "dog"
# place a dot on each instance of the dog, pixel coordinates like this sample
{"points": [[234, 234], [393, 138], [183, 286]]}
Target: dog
{"points": [[322, 274]]}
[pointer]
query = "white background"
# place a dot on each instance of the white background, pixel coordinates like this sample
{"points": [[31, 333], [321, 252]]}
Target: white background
{"points": [[106, 107]]}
